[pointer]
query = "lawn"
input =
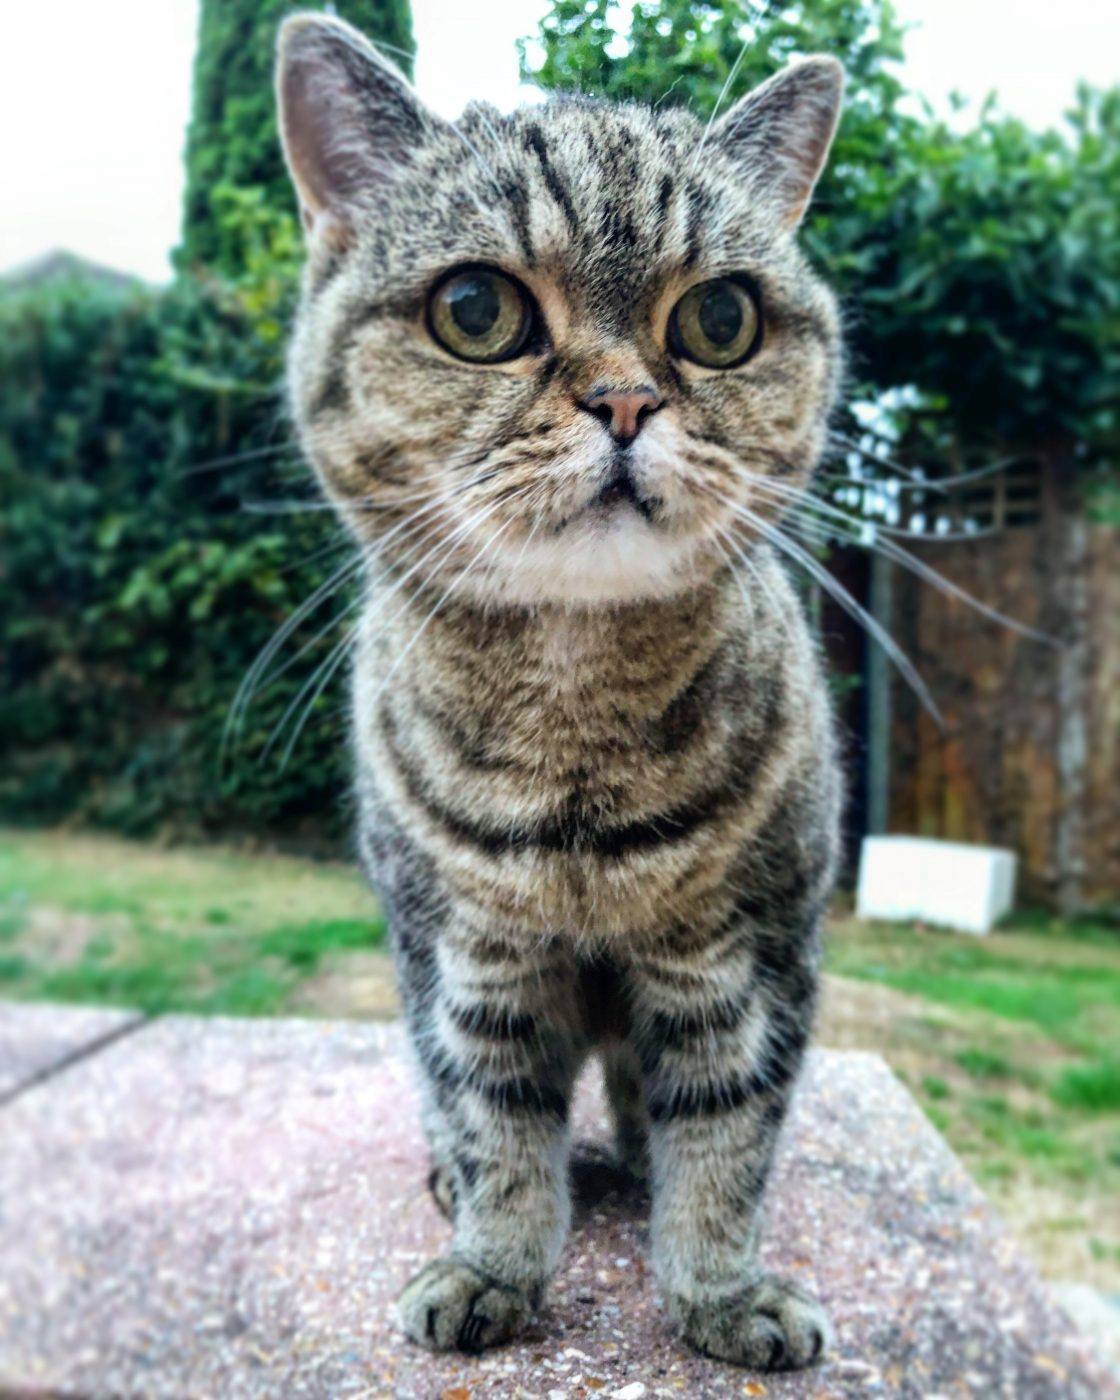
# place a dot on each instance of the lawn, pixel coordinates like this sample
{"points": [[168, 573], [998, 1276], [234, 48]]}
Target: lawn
{"points": [[1010, 1043], [1012, 1046], [90, 919]]}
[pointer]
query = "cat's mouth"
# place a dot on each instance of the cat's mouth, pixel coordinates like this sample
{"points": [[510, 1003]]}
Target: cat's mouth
{"points": [[620, 491]]}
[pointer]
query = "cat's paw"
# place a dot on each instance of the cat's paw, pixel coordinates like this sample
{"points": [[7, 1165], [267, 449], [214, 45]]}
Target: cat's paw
{"points": [[452, 1306], [773, 1325]]}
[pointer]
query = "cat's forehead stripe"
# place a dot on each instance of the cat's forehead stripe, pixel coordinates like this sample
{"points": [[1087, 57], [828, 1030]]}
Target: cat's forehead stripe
{"points": [[554, 184]]}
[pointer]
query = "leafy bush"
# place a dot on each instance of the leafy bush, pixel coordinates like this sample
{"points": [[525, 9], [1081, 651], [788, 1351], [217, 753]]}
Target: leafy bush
{"points": [[135, 589]]}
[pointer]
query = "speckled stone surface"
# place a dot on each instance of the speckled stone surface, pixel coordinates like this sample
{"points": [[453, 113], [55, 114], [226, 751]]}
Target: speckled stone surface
{"points": [[36, 1040], [227, 1209]]}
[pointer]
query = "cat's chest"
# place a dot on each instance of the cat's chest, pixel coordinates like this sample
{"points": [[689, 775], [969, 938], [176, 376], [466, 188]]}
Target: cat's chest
{"points": [[567, 728], [563, 783]]}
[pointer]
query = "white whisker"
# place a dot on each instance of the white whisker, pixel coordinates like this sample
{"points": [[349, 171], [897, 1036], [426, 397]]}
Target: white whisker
{"points": [[883, 540], [840, 594], [322, 676], [719, 102]]}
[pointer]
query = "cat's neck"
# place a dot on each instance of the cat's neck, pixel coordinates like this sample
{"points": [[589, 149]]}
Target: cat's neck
{"points": [[553, 658], [574, 643]]}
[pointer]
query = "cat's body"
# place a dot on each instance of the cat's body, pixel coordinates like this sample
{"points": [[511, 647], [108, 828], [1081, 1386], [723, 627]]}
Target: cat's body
{"points": [[595, 768]]}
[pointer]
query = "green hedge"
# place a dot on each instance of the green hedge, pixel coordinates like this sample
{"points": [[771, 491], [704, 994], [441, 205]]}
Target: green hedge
{"points": [[135, 588]]}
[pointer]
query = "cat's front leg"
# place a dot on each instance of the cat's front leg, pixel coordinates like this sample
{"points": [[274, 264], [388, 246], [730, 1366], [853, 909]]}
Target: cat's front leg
{"points": [[720, 1045], [496, 1037]]}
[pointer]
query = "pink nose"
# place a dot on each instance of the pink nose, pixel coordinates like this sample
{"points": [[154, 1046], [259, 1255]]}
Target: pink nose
{"points": [[623, 410]]}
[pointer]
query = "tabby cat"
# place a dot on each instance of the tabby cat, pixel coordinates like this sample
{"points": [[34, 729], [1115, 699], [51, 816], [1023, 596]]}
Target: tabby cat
{"points": [[545, 366]]}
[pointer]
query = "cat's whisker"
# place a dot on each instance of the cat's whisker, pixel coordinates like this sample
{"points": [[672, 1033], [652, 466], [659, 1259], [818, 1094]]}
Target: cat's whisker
{"points": [[883, 540], [487, 214], [279, 637], [323, 552], [748, 601], [421, 528], [321, 677], [851, 444], [236, 459], [253, 680], [285, 507], [835, 589], [731, 76], [451, 587], [756, 575], [364, 504]]}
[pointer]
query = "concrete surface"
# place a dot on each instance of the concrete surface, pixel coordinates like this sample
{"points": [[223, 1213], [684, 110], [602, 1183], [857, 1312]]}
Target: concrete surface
{"points": [[37, 1041], [1097, 1314], [227, 1209]]}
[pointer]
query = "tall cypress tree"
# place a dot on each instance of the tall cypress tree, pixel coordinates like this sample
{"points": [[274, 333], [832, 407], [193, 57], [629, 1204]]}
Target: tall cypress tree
{"points": [[232, 147]]}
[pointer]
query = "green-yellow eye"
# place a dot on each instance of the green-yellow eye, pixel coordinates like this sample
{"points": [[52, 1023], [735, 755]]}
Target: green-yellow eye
{"points": [[480, 314], [716, 323]]}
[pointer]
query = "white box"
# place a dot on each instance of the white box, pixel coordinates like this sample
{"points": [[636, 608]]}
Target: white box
{"points": [[939, 882]]}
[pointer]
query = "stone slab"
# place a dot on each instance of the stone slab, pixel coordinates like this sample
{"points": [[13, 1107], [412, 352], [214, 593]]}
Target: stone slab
{"points": [[228, 1209], [37, 1040]]}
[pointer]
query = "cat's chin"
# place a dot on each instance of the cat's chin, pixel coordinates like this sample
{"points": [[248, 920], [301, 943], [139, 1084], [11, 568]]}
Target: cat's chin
{"points": [[597, 564]]}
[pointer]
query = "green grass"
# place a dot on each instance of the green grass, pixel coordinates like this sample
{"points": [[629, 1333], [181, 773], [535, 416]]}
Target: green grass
{"points": [[1092, 1086], [983, 1064], [1012, 1045], [1068, 988], [89, 919]]}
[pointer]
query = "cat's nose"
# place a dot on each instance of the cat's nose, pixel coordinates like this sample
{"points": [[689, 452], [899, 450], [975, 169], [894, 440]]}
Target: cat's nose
{"points": [[623, 410]]}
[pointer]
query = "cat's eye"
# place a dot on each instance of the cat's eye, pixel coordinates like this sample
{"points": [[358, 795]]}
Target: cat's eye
{"points": [[480, 314], [716, 324]]}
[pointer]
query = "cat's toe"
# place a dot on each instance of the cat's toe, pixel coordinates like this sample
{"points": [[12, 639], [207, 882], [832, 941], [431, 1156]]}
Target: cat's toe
{"points": [[452, 1306], [772, 1325], [441, 1183]]}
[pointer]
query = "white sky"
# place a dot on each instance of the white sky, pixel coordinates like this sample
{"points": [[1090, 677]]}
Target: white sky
{"points": [[94, 97]]}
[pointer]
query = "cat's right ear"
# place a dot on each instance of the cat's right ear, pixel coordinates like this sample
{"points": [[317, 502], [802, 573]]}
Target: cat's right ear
{"points": [[348, 120]]}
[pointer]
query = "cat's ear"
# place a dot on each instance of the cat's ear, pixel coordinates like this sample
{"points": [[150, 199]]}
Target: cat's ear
{"points": [[781, 132], [348, 119]]}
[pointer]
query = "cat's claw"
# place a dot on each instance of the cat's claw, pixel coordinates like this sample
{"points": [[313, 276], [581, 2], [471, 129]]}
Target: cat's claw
{"points": [[452, 1306], [773, 1325]]}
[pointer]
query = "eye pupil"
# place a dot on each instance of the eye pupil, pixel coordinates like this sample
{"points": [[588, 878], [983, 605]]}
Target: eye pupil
{"points": [[480, 314], [721, 316], [474, 304], [716, 324]]}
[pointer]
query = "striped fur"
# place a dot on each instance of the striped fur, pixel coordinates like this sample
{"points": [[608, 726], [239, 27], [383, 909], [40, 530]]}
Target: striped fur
{"points": [[595, 765]]}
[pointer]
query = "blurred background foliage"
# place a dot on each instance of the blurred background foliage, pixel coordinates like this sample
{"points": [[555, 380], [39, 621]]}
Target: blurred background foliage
{"points": [[144, 450], [233, 153]]}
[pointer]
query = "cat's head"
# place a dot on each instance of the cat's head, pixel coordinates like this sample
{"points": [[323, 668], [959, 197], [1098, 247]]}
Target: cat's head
{"points": [[548, 356]]}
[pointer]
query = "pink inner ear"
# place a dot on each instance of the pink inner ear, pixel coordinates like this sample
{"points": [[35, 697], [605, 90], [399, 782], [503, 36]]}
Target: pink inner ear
{"points": [[346, 118], [783, 131], [302, 140]]}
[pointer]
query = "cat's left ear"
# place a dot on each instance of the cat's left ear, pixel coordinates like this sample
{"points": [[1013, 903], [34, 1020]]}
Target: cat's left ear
{"points": [[349, 121], [781, 132]]}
